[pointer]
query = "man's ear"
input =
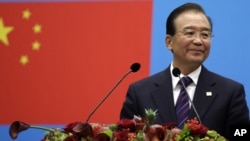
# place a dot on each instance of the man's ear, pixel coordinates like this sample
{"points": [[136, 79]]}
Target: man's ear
{"points": [[168, 41]]}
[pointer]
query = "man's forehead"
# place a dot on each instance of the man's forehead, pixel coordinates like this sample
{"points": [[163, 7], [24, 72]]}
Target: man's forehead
{"points": [[192, 20]]}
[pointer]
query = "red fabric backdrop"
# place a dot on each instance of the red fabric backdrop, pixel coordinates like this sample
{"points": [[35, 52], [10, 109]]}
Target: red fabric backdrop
{"points": [[85, 48]]}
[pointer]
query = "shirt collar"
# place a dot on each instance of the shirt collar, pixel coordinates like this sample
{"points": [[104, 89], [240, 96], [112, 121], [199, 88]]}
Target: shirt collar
{"points": [[193, 75]]}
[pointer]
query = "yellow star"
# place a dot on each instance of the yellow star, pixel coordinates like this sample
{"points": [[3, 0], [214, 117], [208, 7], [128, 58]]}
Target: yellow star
{"points": [[26, 14], [4, 31], [36, 45], [24, 59], [37, 28]]}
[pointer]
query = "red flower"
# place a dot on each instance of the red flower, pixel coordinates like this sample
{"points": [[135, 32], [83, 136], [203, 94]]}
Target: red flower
{"points": [[139, 123], [97, 128], [121, 135], [80, 129], [70, 126], [155, 132], [197, 129], [16, 127], [126, 124]]}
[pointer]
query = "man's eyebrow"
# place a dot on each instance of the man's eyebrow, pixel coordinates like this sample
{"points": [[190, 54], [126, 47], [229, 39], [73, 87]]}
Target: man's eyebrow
{"points": [[202, 29]]}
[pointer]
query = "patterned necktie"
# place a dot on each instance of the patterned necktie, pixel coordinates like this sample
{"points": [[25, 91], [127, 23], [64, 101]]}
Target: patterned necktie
{"points": [[182, 105]]}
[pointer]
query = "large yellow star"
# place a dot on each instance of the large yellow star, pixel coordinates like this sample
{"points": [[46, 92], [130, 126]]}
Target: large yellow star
{"points": [[26, 14], [4, 31], [37, 28], [24, 59]]}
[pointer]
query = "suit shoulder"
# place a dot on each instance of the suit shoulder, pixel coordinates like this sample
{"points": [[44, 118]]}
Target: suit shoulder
{"points": [[155, 78], [223, 79]]}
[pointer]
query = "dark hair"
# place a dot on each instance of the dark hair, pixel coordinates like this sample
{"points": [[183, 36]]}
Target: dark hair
{"points": [[170, 25]]}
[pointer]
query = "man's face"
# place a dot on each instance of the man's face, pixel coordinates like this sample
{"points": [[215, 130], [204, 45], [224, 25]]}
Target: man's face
{"points": [[191, 42]]}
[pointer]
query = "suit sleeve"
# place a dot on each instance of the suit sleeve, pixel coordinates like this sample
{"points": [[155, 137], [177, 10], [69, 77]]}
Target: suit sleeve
{"points": [[129, 108], [238, 113]]}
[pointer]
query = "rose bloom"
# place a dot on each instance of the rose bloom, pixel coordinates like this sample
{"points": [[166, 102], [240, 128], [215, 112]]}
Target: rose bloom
{"points": [[126, 124], [121, 135]]}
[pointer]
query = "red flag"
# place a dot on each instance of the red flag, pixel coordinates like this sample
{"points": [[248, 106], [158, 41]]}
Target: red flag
{"points": [[58, 60]]}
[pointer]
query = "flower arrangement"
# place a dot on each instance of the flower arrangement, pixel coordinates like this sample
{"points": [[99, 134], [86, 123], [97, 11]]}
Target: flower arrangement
{"points": [[137, 129]]}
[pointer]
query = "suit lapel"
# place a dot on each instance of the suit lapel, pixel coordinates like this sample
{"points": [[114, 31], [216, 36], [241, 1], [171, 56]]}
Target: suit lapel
{"points": [[163, 97], [205, 93]]}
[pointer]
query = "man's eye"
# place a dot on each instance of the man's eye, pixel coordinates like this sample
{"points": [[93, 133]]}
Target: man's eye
{"points": [[205, 35], [189, 33]]}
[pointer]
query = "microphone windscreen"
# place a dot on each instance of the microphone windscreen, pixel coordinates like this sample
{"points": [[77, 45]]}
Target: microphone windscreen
{"points": [[135, 67], [176, 72]]}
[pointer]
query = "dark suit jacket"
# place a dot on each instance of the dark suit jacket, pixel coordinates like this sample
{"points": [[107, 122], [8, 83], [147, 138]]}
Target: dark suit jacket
{"points": [[226, 106]]}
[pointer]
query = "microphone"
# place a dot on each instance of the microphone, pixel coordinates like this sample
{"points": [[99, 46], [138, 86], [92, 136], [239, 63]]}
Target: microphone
{"points": [[176, 72], [133, 68]]}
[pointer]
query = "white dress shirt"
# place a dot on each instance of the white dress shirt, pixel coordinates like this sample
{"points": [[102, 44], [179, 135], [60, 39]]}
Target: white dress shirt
{"points": [[190, 88]]}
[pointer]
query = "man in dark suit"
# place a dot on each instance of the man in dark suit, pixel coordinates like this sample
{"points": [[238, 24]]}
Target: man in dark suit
{"points": [[219, 101]]}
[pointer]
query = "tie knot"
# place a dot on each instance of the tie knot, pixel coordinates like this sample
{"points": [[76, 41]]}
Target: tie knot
{"points": [[186, 80]]}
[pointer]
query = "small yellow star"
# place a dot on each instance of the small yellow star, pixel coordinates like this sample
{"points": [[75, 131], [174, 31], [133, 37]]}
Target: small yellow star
{"points": [[37, 28], [26, 14], [24, 59], [4, 31], [36, 45]]}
